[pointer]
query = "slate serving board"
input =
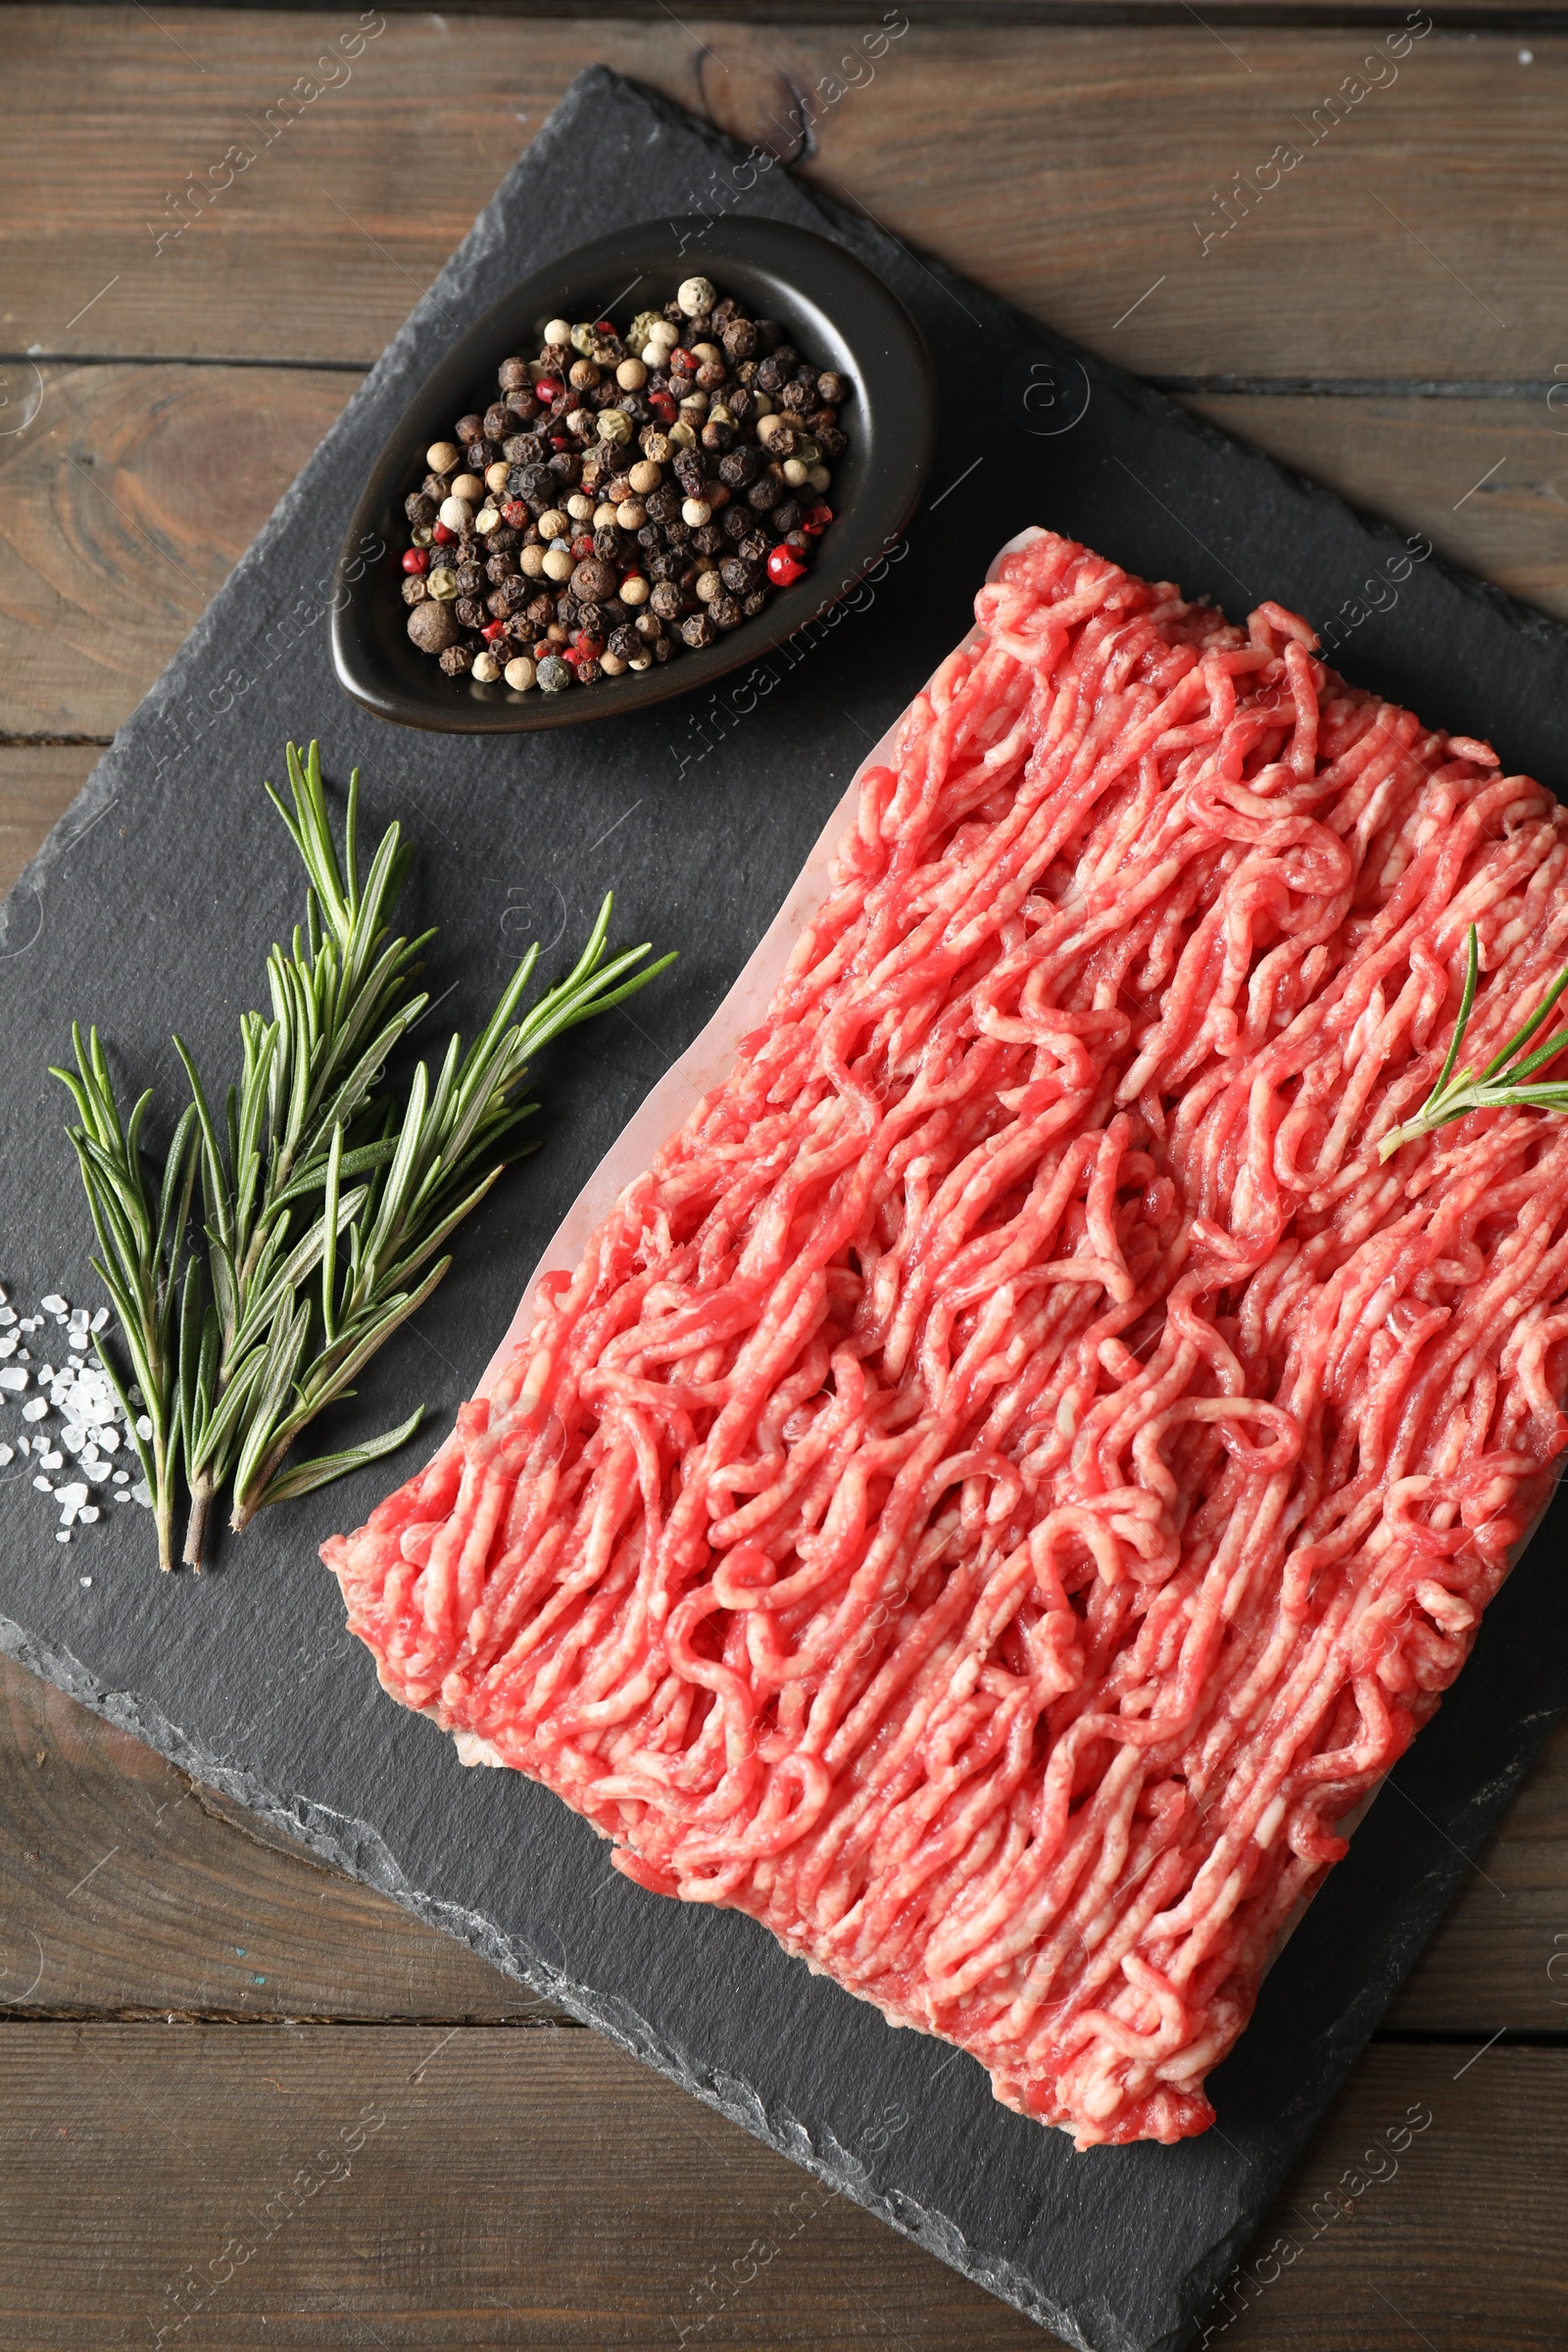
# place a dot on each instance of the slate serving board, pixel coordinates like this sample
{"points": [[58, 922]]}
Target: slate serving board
{"points": [[154, 901]]}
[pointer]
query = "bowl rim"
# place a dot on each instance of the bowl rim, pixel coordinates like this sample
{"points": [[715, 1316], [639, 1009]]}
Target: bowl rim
{"points": [[896, 417]]}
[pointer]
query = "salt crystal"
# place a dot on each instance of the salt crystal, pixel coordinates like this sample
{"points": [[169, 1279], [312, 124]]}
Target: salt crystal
{"points": [[88, 1514], [84, 1580], [99, 1319], [44, 1485], [54, 1304], [25, 1445], [140, 1493], [36, 1408], [52, 1461], [4, 1293], [23, 1356], [78, 1314], [62, 1535], [8, 1315], [14, 1378], [108, 1439], [46, 1372], [144, 1427], [122, 1477], [89, 1454], [70, 1499], [73, 1437], [10, 1344], [7, 1454], [97, 1471]]}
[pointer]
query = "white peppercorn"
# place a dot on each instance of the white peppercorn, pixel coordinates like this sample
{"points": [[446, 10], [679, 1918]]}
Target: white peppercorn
{"points": [[457, 513], [645, 476], [487, 668], [696, 296], [611, 664], [531, 563], [632, 375], [795, 474], [496, 475], [488, 520], [819, 477], [696, 511], [631, 514], [604, 516], [633, 591], [557, 331], [442, 456], [519, 673], [551, 524], [579, 506], [558, 564], [709, 585], [470, 486]]}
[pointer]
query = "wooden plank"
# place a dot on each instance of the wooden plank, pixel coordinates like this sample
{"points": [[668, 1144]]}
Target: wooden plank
{"points": [[228, 2187], [123, 508], [115, 538], [37, 784], [127, 1888], [1486, 480], [1063, 164]]}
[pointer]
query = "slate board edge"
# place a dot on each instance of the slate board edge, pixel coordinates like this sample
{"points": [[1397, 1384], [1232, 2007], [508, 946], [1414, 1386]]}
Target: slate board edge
{"points": [[357, 1848]]}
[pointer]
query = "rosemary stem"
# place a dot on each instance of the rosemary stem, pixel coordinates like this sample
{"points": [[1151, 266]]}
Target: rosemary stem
{"points": [[201, 1504]]}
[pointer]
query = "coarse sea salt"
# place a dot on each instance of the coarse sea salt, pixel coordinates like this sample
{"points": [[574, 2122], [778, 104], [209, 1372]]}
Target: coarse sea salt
{"points": [[36, 1408], [54, 1304], [15, 1378]]}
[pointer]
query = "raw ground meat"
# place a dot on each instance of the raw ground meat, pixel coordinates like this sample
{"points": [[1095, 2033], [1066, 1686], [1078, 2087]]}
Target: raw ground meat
{"points": [[1016, 1470]]}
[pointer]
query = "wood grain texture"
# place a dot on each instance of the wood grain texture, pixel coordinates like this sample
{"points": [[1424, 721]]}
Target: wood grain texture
{"points": [[123, 508], [123, 511], [1063, 164], [221, 2187], [126, 1886], [37, 784]]}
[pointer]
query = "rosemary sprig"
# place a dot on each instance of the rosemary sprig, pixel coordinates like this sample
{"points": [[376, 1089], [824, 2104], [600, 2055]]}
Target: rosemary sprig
{"points": [[325, 1204], [1502, 1084], [141, 1241]]}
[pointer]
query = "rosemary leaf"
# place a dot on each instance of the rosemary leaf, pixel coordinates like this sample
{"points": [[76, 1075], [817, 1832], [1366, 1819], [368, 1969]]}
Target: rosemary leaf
{"points": [[1502, 1084]]}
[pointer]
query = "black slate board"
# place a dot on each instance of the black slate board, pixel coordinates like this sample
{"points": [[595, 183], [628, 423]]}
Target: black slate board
{"points": [[154, 901]]}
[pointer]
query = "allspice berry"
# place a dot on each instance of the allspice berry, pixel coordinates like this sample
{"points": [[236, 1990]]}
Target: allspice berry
{"points": [[433, 626]]}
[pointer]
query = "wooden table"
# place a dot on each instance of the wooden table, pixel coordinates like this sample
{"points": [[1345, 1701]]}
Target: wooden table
{"points": [[192, 2011]]}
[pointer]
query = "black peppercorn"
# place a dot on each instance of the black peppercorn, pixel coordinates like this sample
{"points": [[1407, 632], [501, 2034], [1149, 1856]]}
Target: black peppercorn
{"points": [[739, 338], [414, 590], [718, 436], [663, 601], [434, 485], [726, 612], [690, 472], [624, 642], [697, 630], [752, 548], [520, 631], [676, 533], [723, 311], [650, 538], [504, 539], [470, 428], [663, 648], [458, 660], [772, 376], [512, 375], [591, 616], [753, 604], [738, 576], [765, 493], [481, 453], [739, 467], [830, 440], [589, 673], [513, 593], [788, 358], [665, 566], [707, 539], [499, 568], [662, 504], [470, 579], [470, 613], [497, 421], [770, 334], [785, 517], [541, 612], [421, 509], [608, 543], [496, 603]]}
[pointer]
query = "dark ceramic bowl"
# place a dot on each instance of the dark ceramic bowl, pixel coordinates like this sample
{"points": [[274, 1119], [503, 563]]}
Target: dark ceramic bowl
{"points": [[831, 307]]}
